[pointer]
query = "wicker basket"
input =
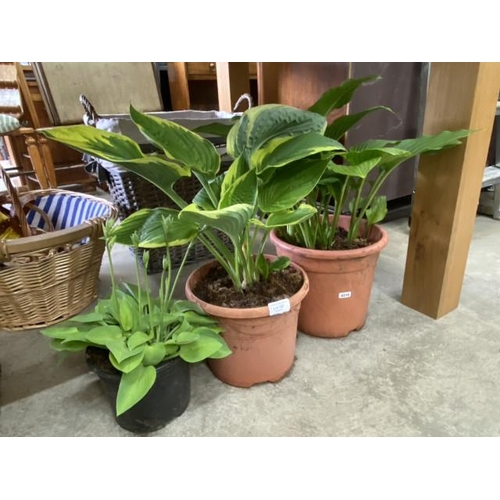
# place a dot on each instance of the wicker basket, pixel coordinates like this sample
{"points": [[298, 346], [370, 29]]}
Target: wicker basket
{"points": [[49, 277]]}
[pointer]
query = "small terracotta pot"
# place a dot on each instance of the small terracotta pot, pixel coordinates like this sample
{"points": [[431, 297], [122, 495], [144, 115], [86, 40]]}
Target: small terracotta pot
{"points": [[263, 346], [340, 283]]}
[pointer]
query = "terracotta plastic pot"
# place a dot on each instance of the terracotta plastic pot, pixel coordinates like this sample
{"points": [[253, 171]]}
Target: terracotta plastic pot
{"points": [[340, 283], [263, 346]]}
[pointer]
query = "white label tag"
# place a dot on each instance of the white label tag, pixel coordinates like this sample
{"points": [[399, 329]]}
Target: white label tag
{"points": [[344, 295], [279, 307]]}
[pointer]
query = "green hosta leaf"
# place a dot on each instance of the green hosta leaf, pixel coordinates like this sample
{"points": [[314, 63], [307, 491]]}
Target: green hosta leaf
{"points": [[279, 264], [344, 123], [202, 199], [202, 349], [171, 350], [263, 267], [433, 143], [73, 346], [128, 311], [130, 363], [230, 220], [360, 170], [186, 337], [300, 147], [92, 317], [179, 143], [133, 387], [207, 345], [137, 339], [372, 144], [182, 306], [78, 337], [377, 211], [153, 354], [196, 319], [242, 191], [291, 216], [223, 352], [120, 350], [101, 335], [289, 185], [60, 332], [218, 129], [337, 97], [261, 124]]}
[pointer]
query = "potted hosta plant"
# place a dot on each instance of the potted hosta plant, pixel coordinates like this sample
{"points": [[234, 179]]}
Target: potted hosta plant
{"points": [[340, 252], [139, 343], [280, 154]]}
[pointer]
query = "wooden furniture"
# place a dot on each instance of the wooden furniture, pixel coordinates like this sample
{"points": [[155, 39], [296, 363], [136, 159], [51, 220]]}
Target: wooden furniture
{"points": [[33, 160], [195, 85], [461, 96]]}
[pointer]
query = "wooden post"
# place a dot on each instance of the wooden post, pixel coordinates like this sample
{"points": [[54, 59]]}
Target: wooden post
{"points": [[461, 96], [233, 80], [179, 86]]}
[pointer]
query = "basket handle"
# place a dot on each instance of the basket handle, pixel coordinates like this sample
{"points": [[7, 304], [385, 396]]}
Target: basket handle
{"points": [[90, 117], [243, 97], [20, 216]]}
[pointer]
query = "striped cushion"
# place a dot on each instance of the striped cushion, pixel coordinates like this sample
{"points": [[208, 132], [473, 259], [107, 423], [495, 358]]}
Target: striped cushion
{"points": [[65, 211]]}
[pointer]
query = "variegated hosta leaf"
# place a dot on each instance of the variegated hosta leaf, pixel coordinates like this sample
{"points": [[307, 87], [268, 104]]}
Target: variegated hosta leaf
{"points": [[231, 220], [288, 185], [242, 190], [261, 124], [238, 168], [297, 148], [179, 143], [203, 200], [121, 150]]}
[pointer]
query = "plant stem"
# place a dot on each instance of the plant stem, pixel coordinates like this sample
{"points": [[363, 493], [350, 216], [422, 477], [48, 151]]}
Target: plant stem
{"points": [[338, 210], [354, 217], [179, 270]]}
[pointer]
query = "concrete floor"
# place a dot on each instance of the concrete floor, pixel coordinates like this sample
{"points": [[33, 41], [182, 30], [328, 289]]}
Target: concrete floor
{"points": [[403, 375]]}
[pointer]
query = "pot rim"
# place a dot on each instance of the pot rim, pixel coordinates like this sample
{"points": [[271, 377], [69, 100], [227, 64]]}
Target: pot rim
{"points": [[355, 253], [240, 312]]}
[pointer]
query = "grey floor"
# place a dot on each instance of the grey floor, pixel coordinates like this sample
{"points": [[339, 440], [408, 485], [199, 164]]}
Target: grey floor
{"points": [[403, 375]]}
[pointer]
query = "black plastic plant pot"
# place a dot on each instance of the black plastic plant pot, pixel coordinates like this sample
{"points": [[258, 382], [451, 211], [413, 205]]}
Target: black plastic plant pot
{"points": [[165, 401]]}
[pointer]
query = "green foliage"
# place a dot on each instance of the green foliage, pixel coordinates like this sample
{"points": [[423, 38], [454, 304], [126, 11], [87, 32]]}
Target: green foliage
{"points": [[279, 154], [353, 178], [141, 330], [288, 170]]}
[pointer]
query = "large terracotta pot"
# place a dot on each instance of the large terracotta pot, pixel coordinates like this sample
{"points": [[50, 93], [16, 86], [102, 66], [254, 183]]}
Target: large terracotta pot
{"points": [[340, 283], [263, 346]]}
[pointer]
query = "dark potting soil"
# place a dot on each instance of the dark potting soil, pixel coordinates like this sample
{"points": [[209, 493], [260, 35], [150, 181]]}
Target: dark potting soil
{"points": [[342, 243], [99, 358], [216, 288]]}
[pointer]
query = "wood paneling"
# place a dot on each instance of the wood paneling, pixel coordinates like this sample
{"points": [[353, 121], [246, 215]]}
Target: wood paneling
{"points": [[232, 81], [461, 96]]}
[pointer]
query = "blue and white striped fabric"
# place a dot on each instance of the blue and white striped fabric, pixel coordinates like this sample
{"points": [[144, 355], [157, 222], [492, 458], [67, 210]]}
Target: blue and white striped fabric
{"points": [[65, 211]]}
